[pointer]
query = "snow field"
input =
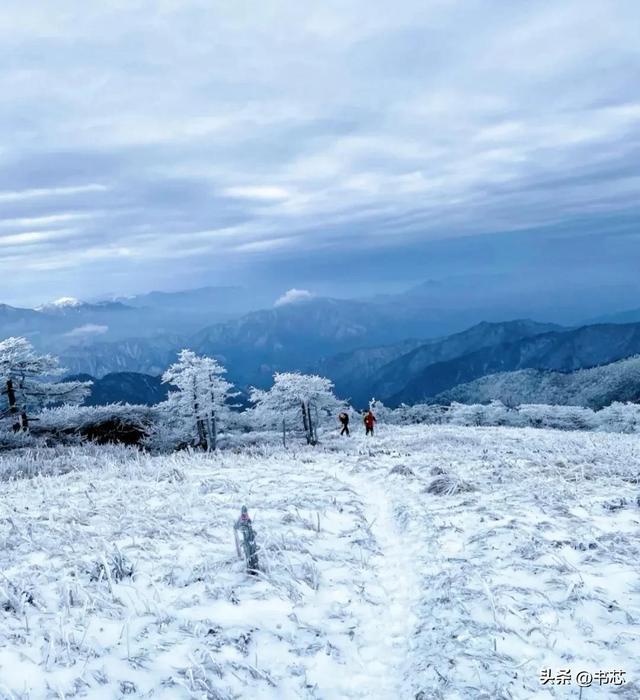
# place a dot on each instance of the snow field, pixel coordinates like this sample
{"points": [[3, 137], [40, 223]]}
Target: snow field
{"points": [[189, 622], [120, 577]]}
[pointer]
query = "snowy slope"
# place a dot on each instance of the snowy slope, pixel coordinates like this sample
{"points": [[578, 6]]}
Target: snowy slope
{"points": [[373, 587], [595, 387]]}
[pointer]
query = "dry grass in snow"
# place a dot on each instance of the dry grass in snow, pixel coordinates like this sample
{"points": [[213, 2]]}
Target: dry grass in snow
{"points": [[437, 562]]}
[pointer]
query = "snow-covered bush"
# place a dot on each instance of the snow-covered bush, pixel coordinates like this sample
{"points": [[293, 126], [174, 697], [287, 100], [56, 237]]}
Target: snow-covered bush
{"points": [[559, 417], [418, 413], [124, 423], [619, 418], [466, 414]]}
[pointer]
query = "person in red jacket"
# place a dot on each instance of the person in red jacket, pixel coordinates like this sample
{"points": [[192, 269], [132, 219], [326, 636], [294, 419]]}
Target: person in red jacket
{"points": [[369, 420]]}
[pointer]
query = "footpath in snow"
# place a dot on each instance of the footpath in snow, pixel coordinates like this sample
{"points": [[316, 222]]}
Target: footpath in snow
{"points": [[424, 563]]}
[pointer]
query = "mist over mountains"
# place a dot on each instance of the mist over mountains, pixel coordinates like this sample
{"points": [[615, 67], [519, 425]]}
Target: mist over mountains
{"points": [[409, 347]]}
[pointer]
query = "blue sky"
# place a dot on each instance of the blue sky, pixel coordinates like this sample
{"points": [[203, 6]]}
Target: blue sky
{"points": [[336, 146]]}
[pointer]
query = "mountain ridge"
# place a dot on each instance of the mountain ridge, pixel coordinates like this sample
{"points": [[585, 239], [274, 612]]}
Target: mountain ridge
{"points": [[581, 348]]}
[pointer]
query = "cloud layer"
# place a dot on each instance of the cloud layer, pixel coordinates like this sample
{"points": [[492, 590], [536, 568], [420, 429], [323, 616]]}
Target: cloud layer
{"points": [[155, 144]]}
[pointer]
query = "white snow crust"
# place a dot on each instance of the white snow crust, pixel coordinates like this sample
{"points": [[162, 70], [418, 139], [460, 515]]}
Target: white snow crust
{"points": [[375, 582]]}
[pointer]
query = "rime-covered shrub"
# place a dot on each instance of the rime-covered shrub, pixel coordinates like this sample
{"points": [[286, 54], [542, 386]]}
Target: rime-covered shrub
{"points": [[114, 423], [619, 418], [446, 485], [559, 417]]}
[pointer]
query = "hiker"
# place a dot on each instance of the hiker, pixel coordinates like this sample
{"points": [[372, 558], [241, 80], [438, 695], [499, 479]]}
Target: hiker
{"points": [[369, 420], [344, 420]]}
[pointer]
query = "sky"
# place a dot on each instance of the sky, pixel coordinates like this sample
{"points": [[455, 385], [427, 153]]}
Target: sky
{"points": [[343, 147]]}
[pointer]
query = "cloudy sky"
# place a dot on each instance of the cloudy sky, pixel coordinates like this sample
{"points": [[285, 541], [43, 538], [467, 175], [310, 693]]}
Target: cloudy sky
{"points": [[334, 146]]}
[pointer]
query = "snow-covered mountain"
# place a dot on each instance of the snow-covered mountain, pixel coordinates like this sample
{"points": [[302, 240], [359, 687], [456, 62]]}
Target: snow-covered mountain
{"points": [[71, 305], [61, 304], [408, 368], [563, 350], [593, 388]]}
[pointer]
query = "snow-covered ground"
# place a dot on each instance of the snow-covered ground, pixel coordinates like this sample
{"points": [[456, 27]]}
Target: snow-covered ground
{"points": [[373, 586]]}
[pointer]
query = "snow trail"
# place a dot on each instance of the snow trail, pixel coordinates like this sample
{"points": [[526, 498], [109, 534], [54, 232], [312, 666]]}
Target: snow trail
{"points": [[393, 589]]}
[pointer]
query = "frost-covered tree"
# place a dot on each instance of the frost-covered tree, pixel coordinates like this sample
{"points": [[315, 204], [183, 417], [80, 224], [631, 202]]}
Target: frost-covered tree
{"points": [[379, 410], [307, 396], [28, 382], [200, 402]]}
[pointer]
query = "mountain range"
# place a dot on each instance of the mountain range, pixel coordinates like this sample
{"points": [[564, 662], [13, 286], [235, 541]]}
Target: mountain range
{"points": [[71, 323], [399, 348], [564, 350]]}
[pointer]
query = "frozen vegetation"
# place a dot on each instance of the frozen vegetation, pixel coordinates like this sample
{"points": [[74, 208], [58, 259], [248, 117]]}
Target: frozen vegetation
{"points": [[427, 562], [595, 387]]}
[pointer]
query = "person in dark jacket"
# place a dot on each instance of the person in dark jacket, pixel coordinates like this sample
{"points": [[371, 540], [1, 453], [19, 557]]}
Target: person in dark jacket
{"points": [[344, 420], [369, 420]]}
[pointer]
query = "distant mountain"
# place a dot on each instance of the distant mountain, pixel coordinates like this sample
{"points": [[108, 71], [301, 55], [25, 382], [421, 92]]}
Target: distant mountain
{"points": [[407, 369], [124, 387], [287, 337], [364, 343], [71, 327], [17, 321], [353, 373], [296, 336], [62, 303], [594, 388], [629, 316], [71, 306], [228, 301], [366, 347], [55, 325], [568, 350], [146, 355]]}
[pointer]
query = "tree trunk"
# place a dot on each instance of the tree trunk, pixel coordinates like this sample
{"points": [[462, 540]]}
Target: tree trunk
{"points": [[213, 431], [305, 421], [213, 428], [312, 438], [202, 434], [13, 408], [202, 437]]}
